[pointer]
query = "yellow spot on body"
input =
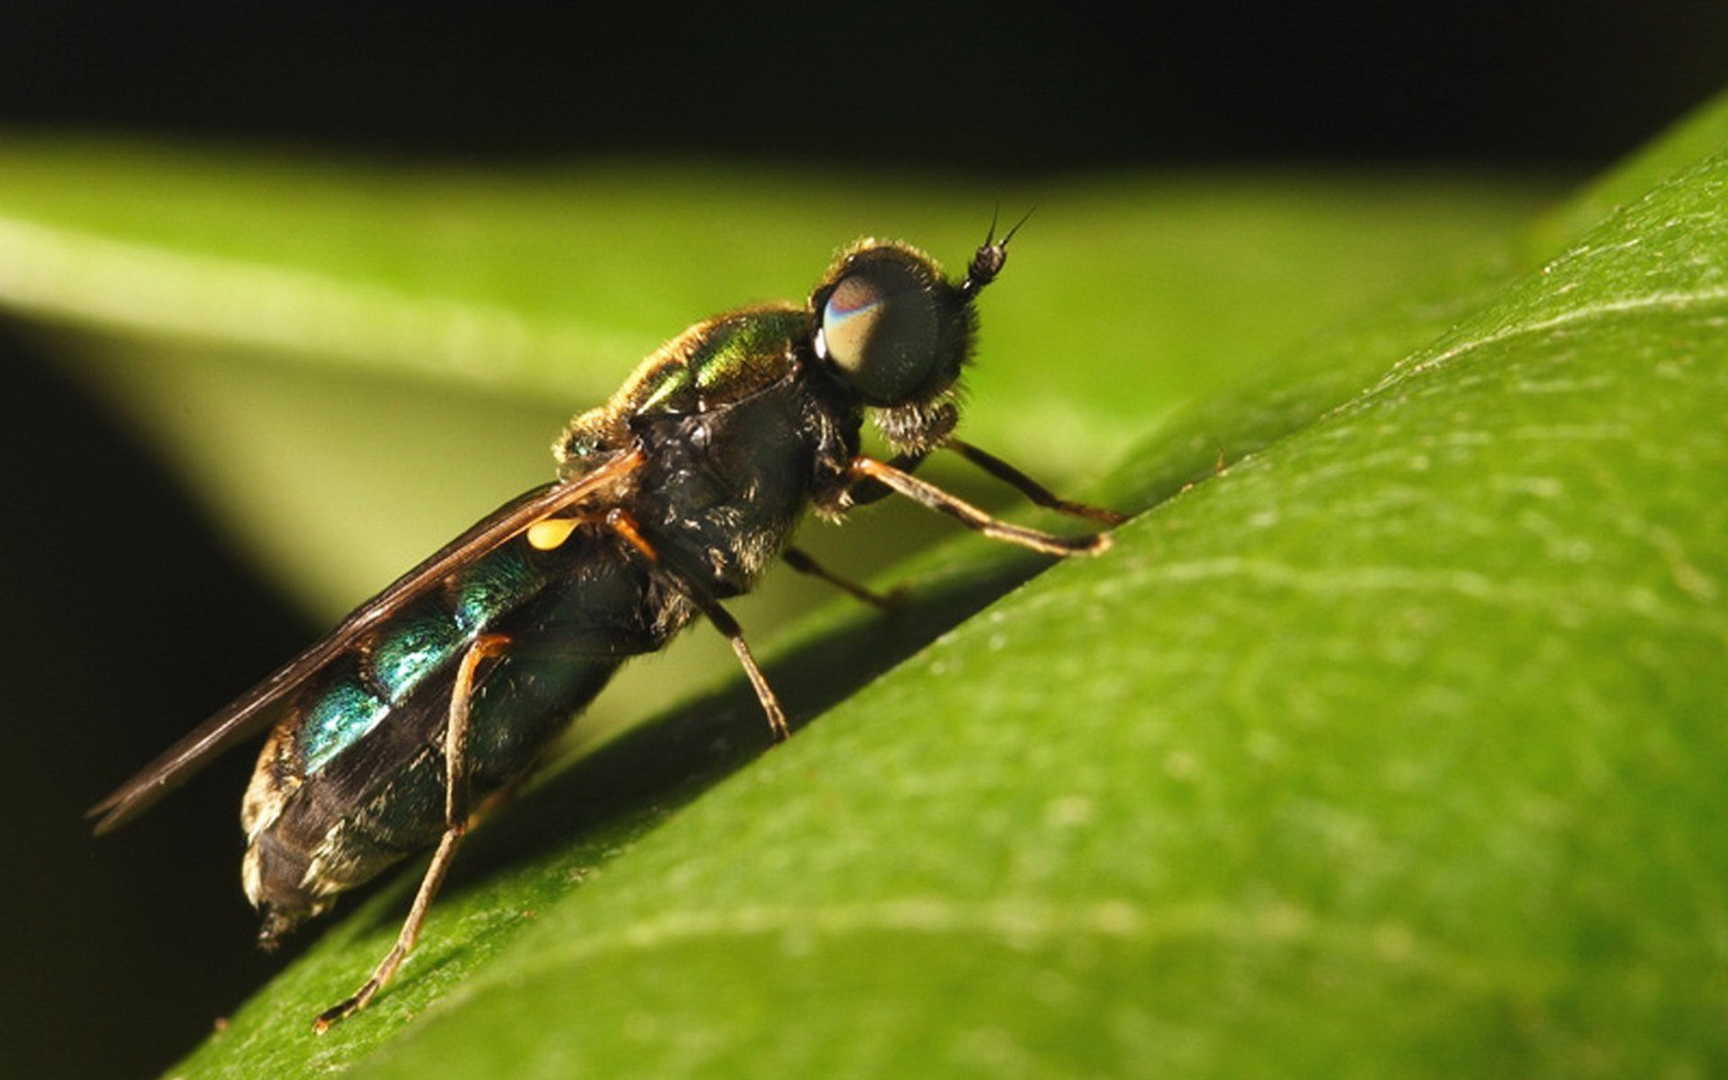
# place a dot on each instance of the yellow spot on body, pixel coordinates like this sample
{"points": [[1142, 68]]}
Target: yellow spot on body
{"points": [[550, 533]]}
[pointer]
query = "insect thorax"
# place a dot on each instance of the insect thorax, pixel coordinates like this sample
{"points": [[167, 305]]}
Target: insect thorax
{"points": [[716, 362]]}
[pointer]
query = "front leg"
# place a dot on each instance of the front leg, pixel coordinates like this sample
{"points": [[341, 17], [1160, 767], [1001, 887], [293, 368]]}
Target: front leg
{"points": [[862, 491], [973, 517]]}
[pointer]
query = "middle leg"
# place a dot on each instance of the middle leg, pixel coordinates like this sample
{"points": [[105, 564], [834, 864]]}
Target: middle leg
{"points": [[721, 619]]}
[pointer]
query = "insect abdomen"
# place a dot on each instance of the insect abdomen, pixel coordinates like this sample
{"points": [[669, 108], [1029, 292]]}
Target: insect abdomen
{"points": [[353, 778]]}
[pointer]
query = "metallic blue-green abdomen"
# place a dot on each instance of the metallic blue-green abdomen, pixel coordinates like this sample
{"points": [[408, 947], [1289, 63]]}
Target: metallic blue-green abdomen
{"points": [[339, 714], [405, 651], [414, 647]]}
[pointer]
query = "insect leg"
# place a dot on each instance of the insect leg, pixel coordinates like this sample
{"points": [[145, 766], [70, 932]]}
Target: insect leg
{"points": [[622, 523], [455, 825], [1029, 487], [728, 626], [800, 560], [863, 492], [971, 516]]}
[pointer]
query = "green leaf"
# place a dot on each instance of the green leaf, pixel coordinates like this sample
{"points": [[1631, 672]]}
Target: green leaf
{"points": [[1386, 741], [1703, 133]]}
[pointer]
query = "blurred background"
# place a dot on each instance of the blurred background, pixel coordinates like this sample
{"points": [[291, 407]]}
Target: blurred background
{"points": [[131, 611], [1532, 82]]}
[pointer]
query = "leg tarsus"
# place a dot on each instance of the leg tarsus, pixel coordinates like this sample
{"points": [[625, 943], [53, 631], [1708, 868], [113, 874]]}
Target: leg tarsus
{"points": [[405, 940], [728, 626]]}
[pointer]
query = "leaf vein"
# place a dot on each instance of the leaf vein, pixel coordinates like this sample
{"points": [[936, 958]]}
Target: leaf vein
{"points": [[1022, 924], [1659, 301], [1567, 602]]}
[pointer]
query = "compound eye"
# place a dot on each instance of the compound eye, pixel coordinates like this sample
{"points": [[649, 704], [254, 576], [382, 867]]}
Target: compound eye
{"points": [[880, 329]]}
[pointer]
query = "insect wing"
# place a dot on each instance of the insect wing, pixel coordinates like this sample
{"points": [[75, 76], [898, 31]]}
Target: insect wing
{"points": [[247, 715]]}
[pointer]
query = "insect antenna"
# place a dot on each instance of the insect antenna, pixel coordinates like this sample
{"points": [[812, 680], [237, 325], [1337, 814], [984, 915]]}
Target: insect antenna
{"points": [[991, 255], [1009, 235]]}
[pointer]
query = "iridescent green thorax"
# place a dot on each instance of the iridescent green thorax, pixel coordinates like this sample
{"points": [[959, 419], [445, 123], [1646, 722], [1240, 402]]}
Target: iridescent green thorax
{"points": [[742, 353], [715, 362]]}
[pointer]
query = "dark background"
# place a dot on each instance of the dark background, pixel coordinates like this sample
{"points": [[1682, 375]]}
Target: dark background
{"points": [[122, 951], [1566, 80]]}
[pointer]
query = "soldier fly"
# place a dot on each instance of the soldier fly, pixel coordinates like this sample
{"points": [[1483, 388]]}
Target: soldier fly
{"points": [[671, 497]]}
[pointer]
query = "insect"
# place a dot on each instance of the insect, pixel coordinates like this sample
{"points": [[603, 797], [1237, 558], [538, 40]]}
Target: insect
{"points": [[674, 495]]}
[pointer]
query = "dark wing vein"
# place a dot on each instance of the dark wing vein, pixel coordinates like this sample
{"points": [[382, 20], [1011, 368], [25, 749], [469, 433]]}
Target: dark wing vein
{"points": [[243, 717]]}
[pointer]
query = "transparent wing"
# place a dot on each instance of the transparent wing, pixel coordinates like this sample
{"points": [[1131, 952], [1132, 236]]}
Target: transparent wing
{"points": [[246, 715]]}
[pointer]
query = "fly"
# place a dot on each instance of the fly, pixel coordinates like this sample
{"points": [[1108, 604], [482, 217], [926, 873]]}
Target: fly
{"points": [[671, 497]]}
